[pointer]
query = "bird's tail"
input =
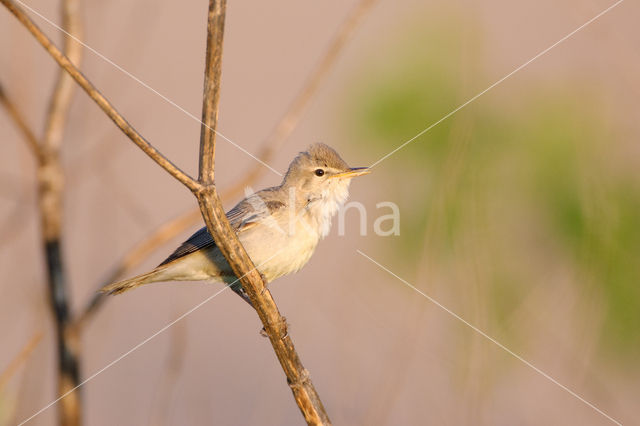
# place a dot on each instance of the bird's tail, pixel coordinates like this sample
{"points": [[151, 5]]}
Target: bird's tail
{"points": [[156, 275]]}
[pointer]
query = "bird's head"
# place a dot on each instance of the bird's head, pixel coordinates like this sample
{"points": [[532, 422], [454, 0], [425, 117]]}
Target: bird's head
{"points": [[320, 179]]}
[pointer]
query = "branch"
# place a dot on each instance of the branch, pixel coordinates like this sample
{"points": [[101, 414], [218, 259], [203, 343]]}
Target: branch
{"points": [[16, 362], [274, 324], [211, 98], [61, 98], [29, 137], [136, 256], [227, 241], [139, 253], [271, 144], [50, 194], [205, 191], [98, 98]]}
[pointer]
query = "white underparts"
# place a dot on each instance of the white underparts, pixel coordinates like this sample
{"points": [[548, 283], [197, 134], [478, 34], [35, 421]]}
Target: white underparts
{"points": [[322, 209]]}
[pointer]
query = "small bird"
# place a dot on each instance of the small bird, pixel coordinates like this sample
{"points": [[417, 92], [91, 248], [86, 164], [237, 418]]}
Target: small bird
{"points": [[279, 227]]}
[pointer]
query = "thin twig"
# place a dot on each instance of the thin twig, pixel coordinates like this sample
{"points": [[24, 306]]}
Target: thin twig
{"points": [[274, 324], [137, 255], [227, 241], [271, 145], [65, 88], [18, 119], [140, 253], [13, 366], [19, 193], [211, 98], [210, 205], [50, 195], [98, 98]]}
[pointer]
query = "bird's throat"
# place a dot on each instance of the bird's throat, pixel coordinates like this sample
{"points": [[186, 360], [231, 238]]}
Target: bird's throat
{"points": [[323, 207]]}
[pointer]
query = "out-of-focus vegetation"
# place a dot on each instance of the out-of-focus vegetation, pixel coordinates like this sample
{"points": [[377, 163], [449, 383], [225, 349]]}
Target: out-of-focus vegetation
{"points": [[5, 408], [525, 177]]}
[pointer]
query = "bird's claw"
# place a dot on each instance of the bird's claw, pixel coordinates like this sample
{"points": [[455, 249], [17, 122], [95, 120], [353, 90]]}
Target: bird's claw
{"points": [[284, 326]]}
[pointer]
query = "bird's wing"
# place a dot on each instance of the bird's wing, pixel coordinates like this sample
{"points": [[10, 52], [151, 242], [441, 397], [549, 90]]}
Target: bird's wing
{"points": [[246, 214], [200, 240]]}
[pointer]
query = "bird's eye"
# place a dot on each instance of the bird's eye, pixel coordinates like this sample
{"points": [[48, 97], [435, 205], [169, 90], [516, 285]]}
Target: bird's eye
{"points": [[319, 172]]}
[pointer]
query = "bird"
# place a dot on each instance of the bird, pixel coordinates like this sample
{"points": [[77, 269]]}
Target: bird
{"points": [[279, 227]]}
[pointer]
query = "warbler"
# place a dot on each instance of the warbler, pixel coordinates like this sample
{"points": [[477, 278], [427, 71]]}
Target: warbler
{"points": [[279, 227]]}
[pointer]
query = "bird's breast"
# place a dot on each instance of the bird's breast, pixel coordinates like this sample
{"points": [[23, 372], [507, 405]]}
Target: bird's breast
{"points": [[282, 248]]}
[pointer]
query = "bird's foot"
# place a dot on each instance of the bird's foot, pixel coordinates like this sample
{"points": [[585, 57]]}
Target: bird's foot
{"points": [[283, 326], [266, 283]]}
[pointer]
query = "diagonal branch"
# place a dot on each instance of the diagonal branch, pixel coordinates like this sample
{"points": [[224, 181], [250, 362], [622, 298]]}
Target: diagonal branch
{"points": [[136, 256], [274, 324], [209, 201], [14, 113], [272, 143], [98, 98], [227, 241], [20, 359]]}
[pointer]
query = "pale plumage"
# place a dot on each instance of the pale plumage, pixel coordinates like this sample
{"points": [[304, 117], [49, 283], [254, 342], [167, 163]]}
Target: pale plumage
{"points": [[279, 227]]}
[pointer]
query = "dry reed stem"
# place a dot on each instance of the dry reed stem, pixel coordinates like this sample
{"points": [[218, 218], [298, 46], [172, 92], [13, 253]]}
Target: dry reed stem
{"points": [[29, 137], [137, 255], [50, 199], [13, 225], [274, 324], [272, 143], [50, 188], [65, 88], [211, 97], [227, 241], [209, 201], [98, 98], [16, 362]]}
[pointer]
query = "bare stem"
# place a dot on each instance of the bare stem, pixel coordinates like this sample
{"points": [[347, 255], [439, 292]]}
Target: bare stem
{"points": [[98, 98], [274, 324], [227, 241], [208, 199], [137, 255], [50, 195], [65, 87], [211, 97], [20, 359], [272, 143], [14, 113], [141, 252]]}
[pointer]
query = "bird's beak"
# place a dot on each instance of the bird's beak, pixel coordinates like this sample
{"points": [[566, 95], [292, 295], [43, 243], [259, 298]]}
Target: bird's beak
{"points": [[351, 173]]}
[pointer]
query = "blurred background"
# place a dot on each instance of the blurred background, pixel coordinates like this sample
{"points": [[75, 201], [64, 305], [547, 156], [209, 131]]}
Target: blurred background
{"points": [[520, 213]]}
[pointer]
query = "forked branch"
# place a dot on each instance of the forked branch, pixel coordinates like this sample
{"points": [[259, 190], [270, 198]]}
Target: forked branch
{"points": [[227, 241], [211, 207], [50, 180], [28, 135], [98, 98], [271, 144]]}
